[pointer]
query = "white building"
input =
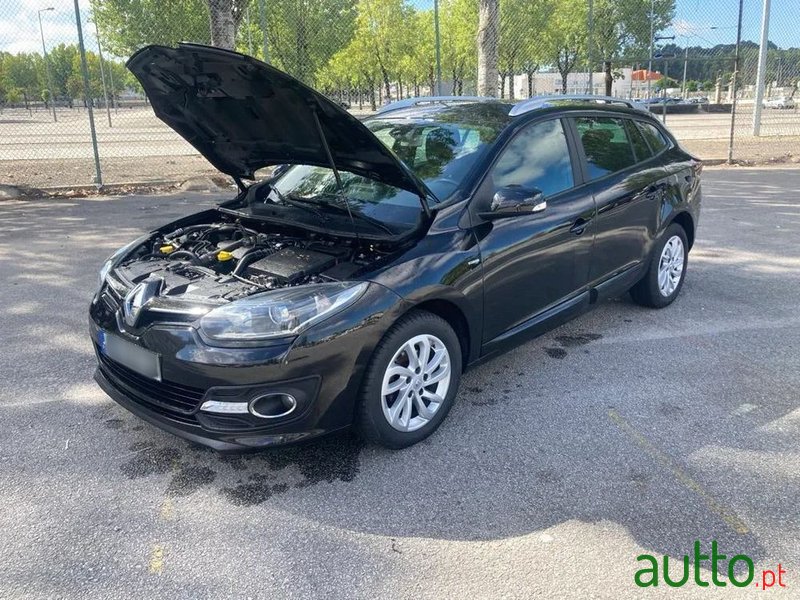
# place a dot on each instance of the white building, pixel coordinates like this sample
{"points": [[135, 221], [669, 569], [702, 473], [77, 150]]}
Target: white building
{"points": [[577, 83]]}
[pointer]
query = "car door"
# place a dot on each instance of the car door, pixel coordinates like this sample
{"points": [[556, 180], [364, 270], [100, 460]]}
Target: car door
{"points": [[627, 183], [533, 261]]}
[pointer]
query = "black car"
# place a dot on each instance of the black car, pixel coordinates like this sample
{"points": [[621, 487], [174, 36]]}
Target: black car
{"points": [[382, 258]]}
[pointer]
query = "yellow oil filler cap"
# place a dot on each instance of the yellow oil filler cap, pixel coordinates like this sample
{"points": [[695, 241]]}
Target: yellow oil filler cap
{"points": [[167, 249], [224, 255]]}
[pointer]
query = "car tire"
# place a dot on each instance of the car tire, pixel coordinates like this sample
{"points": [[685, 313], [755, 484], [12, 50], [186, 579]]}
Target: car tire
{"points": [[666, 272], [405, 396]]}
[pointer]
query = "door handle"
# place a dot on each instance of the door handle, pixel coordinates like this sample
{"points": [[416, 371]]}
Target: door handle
{"points": [[579, 226]]}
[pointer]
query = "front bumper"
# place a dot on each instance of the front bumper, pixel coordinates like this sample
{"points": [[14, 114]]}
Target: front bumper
{"points": [[322, 369], [222, 441]]}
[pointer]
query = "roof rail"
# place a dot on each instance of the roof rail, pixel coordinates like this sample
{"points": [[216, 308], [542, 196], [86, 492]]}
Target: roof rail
{"points": [[545, 101], [409, 102]]}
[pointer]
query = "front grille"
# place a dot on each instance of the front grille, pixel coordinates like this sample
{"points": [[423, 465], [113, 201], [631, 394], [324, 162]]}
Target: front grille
{"points": [[176, 401]]}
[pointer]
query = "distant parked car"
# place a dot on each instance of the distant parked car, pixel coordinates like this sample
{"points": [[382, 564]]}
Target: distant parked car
{"points": [[698, 100], [345, 105], [782, 102]]}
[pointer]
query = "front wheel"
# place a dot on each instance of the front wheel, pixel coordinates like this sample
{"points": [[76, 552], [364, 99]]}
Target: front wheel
{"points": [[411, 382], [664, 277]]}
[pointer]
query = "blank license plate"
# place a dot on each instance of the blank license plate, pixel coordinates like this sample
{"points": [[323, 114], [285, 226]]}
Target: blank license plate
{"points": [[134, 357]]}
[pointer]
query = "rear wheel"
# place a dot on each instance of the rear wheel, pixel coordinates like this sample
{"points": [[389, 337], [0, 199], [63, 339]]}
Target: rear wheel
{"points": [[411, 382], [663, 280]]}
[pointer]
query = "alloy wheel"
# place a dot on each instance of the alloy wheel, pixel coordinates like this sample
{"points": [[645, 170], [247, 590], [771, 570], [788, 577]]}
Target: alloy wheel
{"points": [[670, 266], [416, 383]]}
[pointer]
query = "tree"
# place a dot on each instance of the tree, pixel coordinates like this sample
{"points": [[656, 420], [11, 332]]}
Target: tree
{"points": [[623, 27], [127, 25], [224, 18], [21, 76], [565, 37], [488, 38], [458, 31], [518, 48], [303, 36]]}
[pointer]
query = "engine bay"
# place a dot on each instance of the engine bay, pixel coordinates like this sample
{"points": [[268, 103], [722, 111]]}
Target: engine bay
{"points": [[228, 259]]}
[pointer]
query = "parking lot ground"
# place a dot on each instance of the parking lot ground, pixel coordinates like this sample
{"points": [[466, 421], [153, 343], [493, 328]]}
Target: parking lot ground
{"points": [[625, 432]]}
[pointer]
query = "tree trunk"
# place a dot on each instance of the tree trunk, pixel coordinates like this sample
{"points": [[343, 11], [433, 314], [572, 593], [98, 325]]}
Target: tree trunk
{"points": [[223, 24], [431, 82], [564, 76], [372, 96], [502, 85], [386, 83], [488, 26], [608, 77], [530, 84], [460, 86]]}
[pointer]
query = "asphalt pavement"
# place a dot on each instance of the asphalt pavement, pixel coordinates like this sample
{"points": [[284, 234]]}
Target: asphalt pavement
{"points": [[625, 432]]}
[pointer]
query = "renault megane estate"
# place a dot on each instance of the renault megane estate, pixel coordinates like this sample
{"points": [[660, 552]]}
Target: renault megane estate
{"points": [[381, 258]]}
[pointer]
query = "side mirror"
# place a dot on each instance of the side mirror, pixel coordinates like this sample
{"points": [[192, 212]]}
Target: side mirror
{"points": [[515, 200]]}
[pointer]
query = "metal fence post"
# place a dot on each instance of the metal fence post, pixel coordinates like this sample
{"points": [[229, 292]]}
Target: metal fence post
{"points": [[262, 7], [762, 69], [87, 94], [438, 49], [102, 72], [733, 82]]}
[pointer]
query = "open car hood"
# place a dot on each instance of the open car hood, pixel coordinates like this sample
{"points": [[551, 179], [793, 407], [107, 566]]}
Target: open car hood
{"points": [[243, 115]]}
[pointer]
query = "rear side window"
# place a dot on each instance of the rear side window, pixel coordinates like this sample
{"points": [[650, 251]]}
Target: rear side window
{"points": [[654, 137], [537, 158], [606, 145], [640, 147]]}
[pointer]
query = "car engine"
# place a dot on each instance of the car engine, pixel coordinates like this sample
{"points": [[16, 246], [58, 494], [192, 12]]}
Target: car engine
{"points": [[227, 260]]}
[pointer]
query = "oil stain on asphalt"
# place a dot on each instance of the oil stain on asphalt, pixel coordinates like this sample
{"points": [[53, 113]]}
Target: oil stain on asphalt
{"points": [[261, 475], [151, 461]]}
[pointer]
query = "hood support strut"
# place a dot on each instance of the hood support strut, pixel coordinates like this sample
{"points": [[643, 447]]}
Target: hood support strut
{"points": [[332, 162]]}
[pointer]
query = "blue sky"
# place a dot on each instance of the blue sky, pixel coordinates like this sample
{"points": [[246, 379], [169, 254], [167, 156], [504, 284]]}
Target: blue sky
{"points": [[694, 19], [19, 29]]}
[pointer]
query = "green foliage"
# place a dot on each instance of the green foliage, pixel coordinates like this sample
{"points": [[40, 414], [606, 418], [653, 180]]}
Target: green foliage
{"points": [[127, 25], [23, 77]]}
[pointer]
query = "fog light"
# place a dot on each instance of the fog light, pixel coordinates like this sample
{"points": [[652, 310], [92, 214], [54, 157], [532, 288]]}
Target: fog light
{"points": [[273, 406], [213, 406]]}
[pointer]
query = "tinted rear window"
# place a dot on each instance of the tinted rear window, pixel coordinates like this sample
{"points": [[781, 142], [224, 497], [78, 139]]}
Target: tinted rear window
{"points": [[640, 146], [654, 137], [606, 145]]}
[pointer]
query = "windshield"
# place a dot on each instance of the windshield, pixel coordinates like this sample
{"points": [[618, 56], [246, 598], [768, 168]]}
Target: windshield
{"points": [[440, 154]]}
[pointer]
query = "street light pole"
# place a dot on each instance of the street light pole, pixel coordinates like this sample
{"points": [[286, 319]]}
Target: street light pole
{"points": [[438, 48], [102, 71], [47, 65]]}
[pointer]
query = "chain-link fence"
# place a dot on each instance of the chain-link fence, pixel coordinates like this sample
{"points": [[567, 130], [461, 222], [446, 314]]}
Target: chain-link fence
{"points": [[680, 57]]}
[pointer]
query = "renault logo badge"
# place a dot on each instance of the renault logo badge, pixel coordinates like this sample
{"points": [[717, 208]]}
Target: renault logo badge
{"points": [[139, 297]]}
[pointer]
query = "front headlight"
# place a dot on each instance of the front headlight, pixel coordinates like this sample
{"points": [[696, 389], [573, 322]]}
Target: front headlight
{"points": [[112, 260], [279, 312]]}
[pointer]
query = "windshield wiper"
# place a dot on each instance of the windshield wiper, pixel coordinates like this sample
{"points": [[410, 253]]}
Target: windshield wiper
{"points": [[344, 210], [298, 203]]}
